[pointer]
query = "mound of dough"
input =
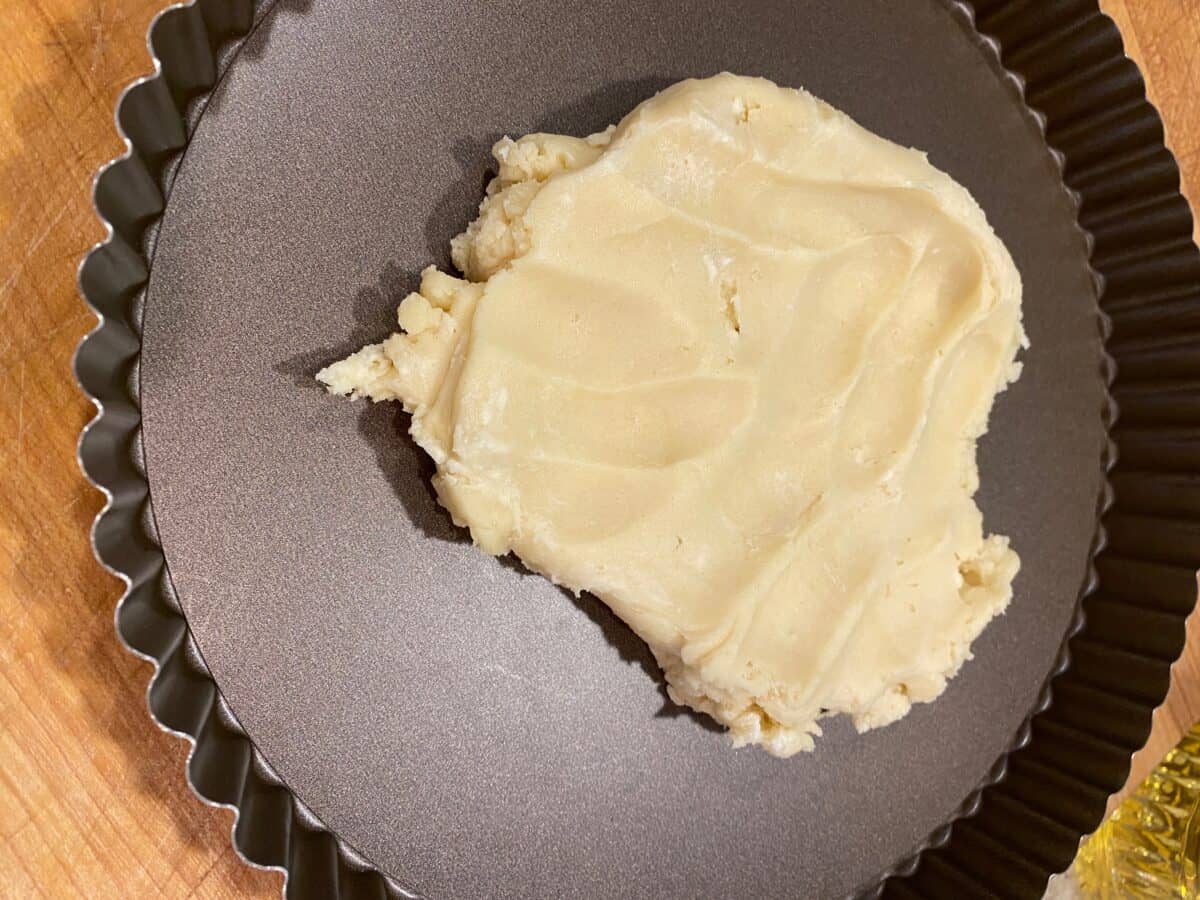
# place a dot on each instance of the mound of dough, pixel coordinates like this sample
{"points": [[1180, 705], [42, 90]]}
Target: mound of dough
{"points": [[724, 367]]}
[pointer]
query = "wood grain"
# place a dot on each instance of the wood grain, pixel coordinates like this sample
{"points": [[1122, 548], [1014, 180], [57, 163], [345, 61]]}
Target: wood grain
{"points": [[92, 796], [93, 801]]}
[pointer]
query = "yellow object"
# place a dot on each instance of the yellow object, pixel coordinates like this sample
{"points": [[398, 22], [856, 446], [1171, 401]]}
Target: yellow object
{"points": [[724, 367], [1149, 847]]}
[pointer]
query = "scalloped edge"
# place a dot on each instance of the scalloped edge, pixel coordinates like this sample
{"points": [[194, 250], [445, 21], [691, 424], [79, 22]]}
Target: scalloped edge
{"points": [[940, 836], [953, 874], [181, 696], [272, 828]]}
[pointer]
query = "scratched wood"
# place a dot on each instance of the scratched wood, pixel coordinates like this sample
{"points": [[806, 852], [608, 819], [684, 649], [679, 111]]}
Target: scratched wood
{"points": [[92, 797]]}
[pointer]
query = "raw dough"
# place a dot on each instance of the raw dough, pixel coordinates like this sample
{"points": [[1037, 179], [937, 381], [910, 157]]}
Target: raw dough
{"points": [[724, 367]]}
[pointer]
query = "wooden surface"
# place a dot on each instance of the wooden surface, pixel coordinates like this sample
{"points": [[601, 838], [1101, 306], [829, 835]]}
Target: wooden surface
{"points": [[92, 796]]}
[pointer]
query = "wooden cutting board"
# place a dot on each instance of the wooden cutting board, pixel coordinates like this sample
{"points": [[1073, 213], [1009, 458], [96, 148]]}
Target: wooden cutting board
{"points": [[92, 796]]}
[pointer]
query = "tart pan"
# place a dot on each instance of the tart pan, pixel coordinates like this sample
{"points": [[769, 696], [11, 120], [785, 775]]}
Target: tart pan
{"points": [[390, 712]]}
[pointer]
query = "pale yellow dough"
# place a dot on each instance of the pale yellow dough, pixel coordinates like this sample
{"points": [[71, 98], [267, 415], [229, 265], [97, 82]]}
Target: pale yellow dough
{"points": [[724, 367]]}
